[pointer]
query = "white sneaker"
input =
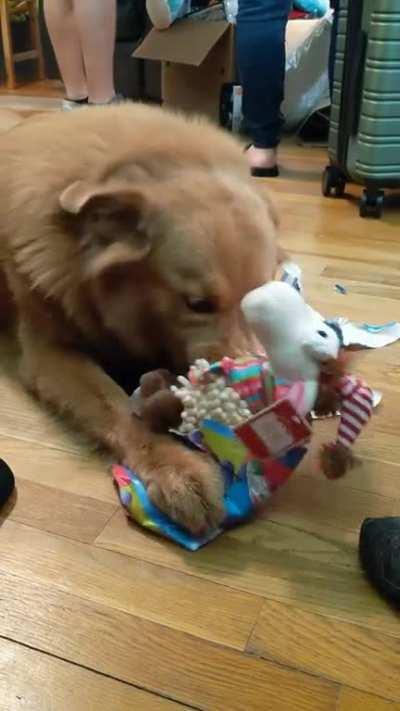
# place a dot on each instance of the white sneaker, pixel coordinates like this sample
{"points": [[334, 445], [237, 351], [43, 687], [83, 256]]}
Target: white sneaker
{"points": [[71, 105], [116, 99]]}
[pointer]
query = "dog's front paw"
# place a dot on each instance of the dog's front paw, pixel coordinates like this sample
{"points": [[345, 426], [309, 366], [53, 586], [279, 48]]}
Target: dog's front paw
{"points": [[185, 485]]}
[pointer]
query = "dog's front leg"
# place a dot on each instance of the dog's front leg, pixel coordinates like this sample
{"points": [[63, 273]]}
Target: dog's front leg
{"points": [[184, 484]]}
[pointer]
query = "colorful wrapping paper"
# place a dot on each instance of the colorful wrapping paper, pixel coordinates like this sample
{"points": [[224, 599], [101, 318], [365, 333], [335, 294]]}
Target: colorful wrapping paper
{"points": [[246, 490], [248, 481]]}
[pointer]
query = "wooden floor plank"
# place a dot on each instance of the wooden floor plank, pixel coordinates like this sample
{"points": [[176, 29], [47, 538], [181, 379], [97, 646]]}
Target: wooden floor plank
{"points": [[369, 475], [313, 239], [345, 653], [81, 518], [153, 657], [339, 269], [199, 607], [68, 472], [43, 88], [34, 681], [374, 443], [353, 700], [273, 560], [357, 307], [334, 229], [24, 418], [312, 503]]}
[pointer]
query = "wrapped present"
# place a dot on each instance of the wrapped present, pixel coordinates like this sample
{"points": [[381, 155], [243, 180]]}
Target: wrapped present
{"points": [[245, 491], [252, 466], [253, 414]]}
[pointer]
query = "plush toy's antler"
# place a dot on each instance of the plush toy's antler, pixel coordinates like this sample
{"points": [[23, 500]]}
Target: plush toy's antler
{"points": [[336, 460]]}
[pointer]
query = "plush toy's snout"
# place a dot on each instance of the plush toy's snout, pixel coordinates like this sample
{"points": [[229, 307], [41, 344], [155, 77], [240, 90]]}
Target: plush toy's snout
{"points": [[323, 345]]}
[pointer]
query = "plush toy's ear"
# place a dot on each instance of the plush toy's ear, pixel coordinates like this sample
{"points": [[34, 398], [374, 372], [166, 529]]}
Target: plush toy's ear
{"points": [[162, 411], [154, 381], [111, 223], [158, 407]]}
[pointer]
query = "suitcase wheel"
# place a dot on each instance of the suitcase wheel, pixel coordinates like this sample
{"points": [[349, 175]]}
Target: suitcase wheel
{"points": [[371, 204], [333, 182]]}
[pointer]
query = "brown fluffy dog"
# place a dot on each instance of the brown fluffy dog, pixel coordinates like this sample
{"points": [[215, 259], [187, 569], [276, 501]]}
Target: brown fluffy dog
{"points": [[129, 234]]}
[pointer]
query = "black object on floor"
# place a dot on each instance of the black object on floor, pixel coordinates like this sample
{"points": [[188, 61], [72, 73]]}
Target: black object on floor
{"points": [[315, 130], [379, 549], [7, 482], [265, 172]]}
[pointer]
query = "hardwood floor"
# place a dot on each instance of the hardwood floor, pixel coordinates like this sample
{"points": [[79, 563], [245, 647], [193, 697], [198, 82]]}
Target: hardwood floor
{"points": [[33, 96], [275, 616], [46, 88]]}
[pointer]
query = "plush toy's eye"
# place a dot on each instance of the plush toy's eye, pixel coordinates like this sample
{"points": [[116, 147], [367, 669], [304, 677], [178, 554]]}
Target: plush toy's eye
{"points": [[201, 306], [323, 334]]}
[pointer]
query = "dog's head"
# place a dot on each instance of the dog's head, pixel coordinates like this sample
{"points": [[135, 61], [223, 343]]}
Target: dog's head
{"points": [[168, 261]]}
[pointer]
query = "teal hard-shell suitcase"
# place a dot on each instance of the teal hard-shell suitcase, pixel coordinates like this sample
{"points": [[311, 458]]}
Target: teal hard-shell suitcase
{"points": [[364, 137]]}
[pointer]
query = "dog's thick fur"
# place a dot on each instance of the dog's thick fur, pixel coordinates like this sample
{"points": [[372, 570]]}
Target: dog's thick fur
{"points": [[129, 233]]}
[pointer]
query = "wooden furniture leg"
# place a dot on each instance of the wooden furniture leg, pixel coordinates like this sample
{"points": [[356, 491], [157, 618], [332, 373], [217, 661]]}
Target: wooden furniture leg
{"points": [[36, 39], [7, 44]]}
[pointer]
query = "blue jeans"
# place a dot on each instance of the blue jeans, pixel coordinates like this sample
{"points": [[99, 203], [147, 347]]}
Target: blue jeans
{"points": [[260, 47]]}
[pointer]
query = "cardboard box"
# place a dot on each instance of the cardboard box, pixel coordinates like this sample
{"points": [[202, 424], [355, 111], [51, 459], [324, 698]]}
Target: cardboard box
{"points": [[307, 81], [197, 59]]}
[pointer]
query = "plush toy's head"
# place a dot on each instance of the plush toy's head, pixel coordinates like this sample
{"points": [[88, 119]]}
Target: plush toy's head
{"points": [[297, 339]]}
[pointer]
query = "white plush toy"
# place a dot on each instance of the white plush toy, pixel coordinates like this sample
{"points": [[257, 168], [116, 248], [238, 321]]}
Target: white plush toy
{"points": [[302, 347], [297, 339]]}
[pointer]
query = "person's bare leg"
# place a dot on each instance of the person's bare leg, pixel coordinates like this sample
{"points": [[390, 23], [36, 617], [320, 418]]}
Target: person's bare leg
{"points": [[65, 38], [96, 20]]}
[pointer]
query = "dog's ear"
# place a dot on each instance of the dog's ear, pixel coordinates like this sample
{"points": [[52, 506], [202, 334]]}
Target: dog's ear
{"points": [[111, 222]]}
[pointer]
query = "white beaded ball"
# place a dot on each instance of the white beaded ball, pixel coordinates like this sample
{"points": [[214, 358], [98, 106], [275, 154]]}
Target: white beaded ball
{"points": [[207, 396]]}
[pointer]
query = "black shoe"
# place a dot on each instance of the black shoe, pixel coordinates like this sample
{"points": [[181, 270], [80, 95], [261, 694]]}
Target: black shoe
{"points": [[7, 482], [379, 550], [265, 172]]}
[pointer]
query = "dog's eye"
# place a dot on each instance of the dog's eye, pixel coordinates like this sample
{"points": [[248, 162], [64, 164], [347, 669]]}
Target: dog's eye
{"points": [[323, 334], [200, 306]]}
